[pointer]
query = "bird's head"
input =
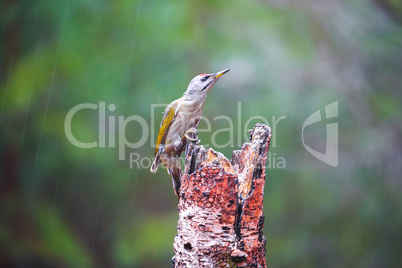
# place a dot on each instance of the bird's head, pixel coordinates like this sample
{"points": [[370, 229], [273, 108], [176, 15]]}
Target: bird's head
{"points": [[202, 83]]}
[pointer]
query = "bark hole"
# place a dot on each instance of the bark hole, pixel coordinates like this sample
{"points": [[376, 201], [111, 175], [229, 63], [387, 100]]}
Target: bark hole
{"points": [[188, 246]]}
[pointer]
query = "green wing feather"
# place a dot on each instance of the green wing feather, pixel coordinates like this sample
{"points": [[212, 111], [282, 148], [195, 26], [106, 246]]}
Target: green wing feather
{"points": [[169, 115]]}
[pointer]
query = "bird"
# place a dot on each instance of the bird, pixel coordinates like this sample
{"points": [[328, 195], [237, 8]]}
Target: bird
{"points": [[179, 126]]}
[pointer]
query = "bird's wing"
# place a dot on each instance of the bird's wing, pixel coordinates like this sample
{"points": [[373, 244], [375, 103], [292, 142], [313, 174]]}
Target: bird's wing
{"points": [[170, 113]]}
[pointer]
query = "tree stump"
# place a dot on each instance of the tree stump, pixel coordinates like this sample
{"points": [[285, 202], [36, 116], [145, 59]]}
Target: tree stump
{"points": [[221, 217]]}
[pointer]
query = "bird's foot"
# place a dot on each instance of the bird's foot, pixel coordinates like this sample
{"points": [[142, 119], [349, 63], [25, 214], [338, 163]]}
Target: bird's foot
{"points": [[192, 135]]}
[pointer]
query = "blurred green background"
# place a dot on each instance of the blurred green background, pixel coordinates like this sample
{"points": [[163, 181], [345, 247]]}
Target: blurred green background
{"points": [[64, 206]]}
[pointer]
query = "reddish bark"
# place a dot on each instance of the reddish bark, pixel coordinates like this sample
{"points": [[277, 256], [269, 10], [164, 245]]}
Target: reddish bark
{"points": [[221, 217]]}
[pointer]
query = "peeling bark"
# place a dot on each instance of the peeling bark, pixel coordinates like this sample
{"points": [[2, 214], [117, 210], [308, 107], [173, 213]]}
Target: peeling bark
{"points": [[221, 217]]}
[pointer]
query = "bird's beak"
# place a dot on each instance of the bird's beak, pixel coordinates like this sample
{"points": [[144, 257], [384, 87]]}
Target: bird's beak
{"points": [[219, 74]]}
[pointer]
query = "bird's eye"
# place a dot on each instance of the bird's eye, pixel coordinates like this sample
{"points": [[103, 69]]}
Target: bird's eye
{"points": [[204, 79]]}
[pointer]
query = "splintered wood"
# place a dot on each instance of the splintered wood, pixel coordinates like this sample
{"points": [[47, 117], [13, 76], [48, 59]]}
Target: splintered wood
{"points": [[221, 217]]}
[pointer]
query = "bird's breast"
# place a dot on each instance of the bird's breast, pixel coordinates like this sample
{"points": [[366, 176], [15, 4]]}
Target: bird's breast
{"points": [[188, 116], [192, 113]]}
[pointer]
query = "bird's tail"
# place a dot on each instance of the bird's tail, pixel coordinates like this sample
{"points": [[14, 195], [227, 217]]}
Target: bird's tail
{"points": [[173, 166], [176, 174]]}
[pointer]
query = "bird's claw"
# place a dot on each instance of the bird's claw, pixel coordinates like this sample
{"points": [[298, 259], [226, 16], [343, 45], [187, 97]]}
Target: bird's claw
{"points": [[189, 138], [192, 135]]}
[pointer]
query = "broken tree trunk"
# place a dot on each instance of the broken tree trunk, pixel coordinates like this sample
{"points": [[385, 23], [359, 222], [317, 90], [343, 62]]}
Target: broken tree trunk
{"points": [[221, 217]]}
